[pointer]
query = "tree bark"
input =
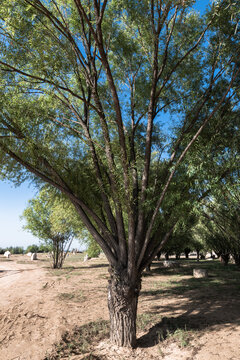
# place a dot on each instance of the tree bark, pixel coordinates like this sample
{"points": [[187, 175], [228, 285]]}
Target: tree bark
{"points": [[122, 304]]}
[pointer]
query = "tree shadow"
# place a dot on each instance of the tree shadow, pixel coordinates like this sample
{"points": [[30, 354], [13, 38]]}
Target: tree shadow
{"points": [[5, 260], [96, 266], [92, 266], [185, 267], [199, 303]]}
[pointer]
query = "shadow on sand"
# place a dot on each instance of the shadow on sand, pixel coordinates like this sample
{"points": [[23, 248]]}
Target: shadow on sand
{"points": [[199, 304]]}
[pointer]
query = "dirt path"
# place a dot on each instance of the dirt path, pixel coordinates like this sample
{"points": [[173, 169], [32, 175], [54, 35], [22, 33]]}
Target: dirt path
{"points": [[35, 309], [38, 305], [25, 313]]}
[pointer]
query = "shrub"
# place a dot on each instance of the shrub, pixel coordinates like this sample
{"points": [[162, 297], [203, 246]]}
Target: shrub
{"points": [[93, 249], [45, 248], [32, 248]]}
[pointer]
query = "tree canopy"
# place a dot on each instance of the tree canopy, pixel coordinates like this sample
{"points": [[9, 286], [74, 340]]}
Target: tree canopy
{"points": [[52, 220]]}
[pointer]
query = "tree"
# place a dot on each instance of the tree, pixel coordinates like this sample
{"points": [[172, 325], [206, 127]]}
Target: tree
{"points": [[182, 240], [222, 222], [32, 248], [218, 205], [199, 243], [13, 250], [50, 219], [93, 249], [87, 90]]}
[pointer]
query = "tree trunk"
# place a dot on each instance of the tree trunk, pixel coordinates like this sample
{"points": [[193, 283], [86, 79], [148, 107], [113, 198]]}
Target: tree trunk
{"points": [[187, 252], [148, 268], [225, 258], [236, 257], [122, 305], [177, 256], [198, 254]]}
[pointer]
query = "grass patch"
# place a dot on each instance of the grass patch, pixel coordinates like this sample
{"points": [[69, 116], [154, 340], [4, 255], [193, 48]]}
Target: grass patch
{"points": [[146, 320], [76, 297], [103, 276], [174, 329], [65, 271], [74, 258], [5, 259], [80, 341], [181, 336]]}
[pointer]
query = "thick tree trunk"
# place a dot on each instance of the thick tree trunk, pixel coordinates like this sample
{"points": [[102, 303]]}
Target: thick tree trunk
{"points": [[122, 305]]}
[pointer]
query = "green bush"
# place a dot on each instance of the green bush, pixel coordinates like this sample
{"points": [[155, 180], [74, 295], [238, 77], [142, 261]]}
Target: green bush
{"points": [[32, 248], [93, 249], [45, 248]]}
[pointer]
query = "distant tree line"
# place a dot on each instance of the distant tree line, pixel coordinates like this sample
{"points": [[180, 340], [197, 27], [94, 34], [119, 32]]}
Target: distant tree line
{"points": [[12, 249], [31, 248]]}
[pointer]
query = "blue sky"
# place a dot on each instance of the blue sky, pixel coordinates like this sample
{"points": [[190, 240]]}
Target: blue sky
{"points": [[12, 203]]}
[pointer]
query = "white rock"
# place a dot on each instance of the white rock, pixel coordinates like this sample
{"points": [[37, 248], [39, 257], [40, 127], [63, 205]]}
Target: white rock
{"points": [[29, 254], [200, 273], [170, 264], [34, 256], [7, 254], [86, 257]]}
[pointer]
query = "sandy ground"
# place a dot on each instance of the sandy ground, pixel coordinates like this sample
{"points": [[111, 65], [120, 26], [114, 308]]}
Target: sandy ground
{"points": [[37, 305]]}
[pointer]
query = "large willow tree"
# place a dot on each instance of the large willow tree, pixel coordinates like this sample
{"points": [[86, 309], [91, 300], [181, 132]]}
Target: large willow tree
{"points": [[87, 91]]}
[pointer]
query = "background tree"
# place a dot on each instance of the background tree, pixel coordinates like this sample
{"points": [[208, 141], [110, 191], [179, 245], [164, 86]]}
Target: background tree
{"points": [[222, 223], [12, 249], [217, 184], [85, 87], [93, 249], [32, 248], [182, 240], [51, 219]]}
